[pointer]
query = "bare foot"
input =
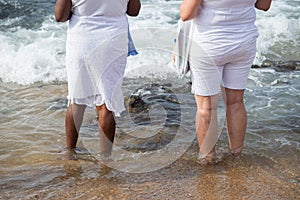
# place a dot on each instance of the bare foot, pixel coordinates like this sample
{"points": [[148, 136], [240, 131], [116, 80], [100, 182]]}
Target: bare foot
{"points": [[210, 158], [236, 151], [68, 154], [104, 159]]}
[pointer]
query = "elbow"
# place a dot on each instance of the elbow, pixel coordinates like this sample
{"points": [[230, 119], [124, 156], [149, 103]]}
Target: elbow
{"points": [[266, 8], [262, 7], [184, 17], [136, 13], [61, 16], [133, 14], [58, 16], [59, 19]]}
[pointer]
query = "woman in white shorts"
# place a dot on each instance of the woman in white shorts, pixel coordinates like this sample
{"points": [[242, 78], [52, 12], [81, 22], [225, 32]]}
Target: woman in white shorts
{"points": [[96, 54], [222, 51]]}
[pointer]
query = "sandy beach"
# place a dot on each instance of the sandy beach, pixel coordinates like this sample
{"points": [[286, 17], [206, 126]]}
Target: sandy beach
{"points": [[246, 177]]}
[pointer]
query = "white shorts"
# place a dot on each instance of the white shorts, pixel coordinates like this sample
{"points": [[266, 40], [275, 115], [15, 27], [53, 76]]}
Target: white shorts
{"points": [[215, 66]]}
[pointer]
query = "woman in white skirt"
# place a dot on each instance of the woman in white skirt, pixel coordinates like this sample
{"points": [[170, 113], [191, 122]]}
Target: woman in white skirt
{"points": [[96, 53], [222, 51]]}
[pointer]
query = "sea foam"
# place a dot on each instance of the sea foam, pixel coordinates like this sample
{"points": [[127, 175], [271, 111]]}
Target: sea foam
{"points": [[37, 54]]}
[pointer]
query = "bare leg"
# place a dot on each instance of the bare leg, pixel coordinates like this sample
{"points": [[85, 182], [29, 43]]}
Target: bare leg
{"points": [[207, 124], [107, 127], [236, 119], [73, 122]]}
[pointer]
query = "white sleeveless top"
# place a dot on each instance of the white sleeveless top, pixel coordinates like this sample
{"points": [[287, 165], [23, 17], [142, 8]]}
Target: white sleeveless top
{"points": [[108, 8]]}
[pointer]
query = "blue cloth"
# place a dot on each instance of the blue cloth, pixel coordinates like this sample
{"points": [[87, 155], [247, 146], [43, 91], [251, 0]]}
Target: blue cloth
{"points": [[131, 48]]}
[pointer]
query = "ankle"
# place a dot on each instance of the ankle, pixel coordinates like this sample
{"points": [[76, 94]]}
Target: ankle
{"points": [[210, 158], [237, 150]]}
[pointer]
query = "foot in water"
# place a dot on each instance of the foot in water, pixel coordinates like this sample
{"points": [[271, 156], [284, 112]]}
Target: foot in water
{"points": [[104, 159], [68, 154], [209, 159], [212, 158]]}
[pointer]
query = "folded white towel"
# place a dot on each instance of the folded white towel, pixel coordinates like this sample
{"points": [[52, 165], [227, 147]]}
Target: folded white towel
{"points": [[182, 45]]}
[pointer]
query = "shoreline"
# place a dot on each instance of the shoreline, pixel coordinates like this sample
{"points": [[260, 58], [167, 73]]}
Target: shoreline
{"points": [[246, 177]]}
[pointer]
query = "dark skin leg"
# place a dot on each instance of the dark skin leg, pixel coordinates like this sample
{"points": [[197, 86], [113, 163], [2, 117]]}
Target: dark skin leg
{"points": [[73, 121], [106, 124], [107, 128]]}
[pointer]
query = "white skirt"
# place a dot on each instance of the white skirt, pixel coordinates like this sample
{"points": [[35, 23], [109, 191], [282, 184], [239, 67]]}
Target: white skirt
{"points": [[96, 54]]}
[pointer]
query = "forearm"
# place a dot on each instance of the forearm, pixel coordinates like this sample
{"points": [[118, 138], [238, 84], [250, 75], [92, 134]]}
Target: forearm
{"points": [[62, 10], [263, 4], [189, 9]]}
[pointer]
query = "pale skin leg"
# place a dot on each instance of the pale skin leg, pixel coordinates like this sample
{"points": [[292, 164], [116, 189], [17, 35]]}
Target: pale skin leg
{"points": [[207, 124], [236, 118]]}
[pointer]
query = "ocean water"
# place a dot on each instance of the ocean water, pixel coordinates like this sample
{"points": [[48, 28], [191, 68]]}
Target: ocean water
{"points": [[157, 143]]}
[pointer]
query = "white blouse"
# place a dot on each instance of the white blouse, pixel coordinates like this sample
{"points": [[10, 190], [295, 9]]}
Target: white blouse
{"points": [[217, 4], [223, 23]]}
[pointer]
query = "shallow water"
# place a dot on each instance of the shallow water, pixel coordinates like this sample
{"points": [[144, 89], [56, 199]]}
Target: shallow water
{"points": [[249, 177], [32, 133]]}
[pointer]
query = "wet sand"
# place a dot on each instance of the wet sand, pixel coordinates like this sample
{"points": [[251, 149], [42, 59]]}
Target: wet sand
{"points": [[245, 177]]}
